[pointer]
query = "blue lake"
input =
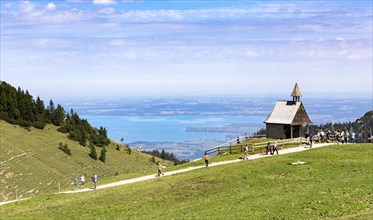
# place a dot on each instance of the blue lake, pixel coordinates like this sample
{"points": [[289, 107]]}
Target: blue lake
{"points": [[186, 127], [169, 128]]}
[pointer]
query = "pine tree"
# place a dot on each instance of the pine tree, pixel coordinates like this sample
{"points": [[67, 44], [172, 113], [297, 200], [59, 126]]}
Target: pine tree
{"points": [[92, 153], [51, 107], [83, 137], [49, 112], [58, 115], [40, 108], [163, 154], [65, 148], [103, 154]]}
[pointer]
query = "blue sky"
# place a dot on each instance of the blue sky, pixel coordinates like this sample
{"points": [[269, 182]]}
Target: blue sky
{"points": [[115, 48]]}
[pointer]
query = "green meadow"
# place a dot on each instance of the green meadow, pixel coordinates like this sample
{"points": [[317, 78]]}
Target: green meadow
{"points": [[32, 164], [335, 183]]}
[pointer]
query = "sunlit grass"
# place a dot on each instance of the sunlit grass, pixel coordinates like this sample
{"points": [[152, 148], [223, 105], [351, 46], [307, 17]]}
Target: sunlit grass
{"points": [[334, 183]]}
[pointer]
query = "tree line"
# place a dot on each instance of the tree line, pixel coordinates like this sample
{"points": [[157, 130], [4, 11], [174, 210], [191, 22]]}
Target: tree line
{"points": [[19, 107], [165, 156]]}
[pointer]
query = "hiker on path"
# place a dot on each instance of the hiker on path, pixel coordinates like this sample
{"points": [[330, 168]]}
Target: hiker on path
{"points": [[346, 137], [274, 149], [328, 136], [75, 183], [353, 136], [268, 148], [82, 181], [246, 150], [160, 169], [206, 158], [336, 138], [94, 181], [322, 136]]}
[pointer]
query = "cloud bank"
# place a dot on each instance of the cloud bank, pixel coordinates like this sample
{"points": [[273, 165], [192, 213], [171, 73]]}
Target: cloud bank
{"points": [[217, 47]]}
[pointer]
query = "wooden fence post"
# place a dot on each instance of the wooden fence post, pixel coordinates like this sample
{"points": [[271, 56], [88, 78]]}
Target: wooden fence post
{"points": [[230, 149]]}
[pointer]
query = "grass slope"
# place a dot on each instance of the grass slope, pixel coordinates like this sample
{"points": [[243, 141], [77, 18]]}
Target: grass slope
{"points": [[336, 183], [31, 163]]}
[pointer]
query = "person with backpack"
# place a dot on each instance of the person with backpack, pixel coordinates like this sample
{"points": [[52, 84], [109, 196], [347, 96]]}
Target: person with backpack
{"points": [[82, 181], [246, 150], [75, 183], [94, 181], [160, 169], [268, 148], [346, 134], [274, 149], [353, 136], [206, 158]]}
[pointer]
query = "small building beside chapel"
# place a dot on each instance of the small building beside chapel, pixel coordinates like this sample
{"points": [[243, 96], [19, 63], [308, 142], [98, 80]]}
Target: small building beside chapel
{"points": [[288, 119]]}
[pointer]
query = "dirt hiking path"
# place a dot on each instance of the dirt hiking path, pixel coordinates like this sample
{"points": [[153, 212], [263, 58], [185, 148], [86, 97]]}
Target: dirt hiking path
{"points": [[153, 176]]}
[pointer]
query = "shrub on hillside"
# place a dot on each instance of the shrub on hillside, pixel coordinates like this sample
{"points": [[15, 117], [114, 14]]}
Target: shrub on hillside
{"points": [[5, 116], [39, 124], [152, 159], [64, 148], [92, 152], [129, 150], [103, 154], [23, 123]]}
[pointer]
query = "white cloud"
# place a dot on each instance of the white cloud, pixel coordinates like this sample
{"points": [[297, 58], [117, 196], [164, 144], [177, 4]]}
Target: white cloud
{"points": [[27, 6], [107, 11], [251, 53], [355, 56], [8, 5], [117, 43], [347, 108], [104, 2], [340, 39], [116, 39], [42, 43], [51, 7]]}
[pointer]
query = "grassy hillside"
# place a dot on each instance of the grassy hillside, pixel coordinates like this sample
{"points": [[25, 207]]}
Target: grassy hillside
{"points": [[336, 183], [31, 163]]}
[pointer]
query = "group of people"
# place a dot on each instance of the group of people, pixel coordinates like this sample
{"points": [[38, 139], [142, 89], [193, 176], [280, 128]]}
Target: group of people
{"points": [[82, 182], [344, 137], [271, 149]]}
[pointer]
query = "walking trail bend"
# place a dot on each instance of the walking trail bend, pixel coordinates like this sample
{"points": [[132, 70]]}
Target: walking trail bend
{"points": [[152, 176]]}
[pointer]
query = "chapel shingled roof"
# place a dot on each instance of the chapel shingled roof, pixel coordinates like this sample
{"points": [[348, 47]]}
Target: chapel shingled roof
{"points": [[288, 112]]}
